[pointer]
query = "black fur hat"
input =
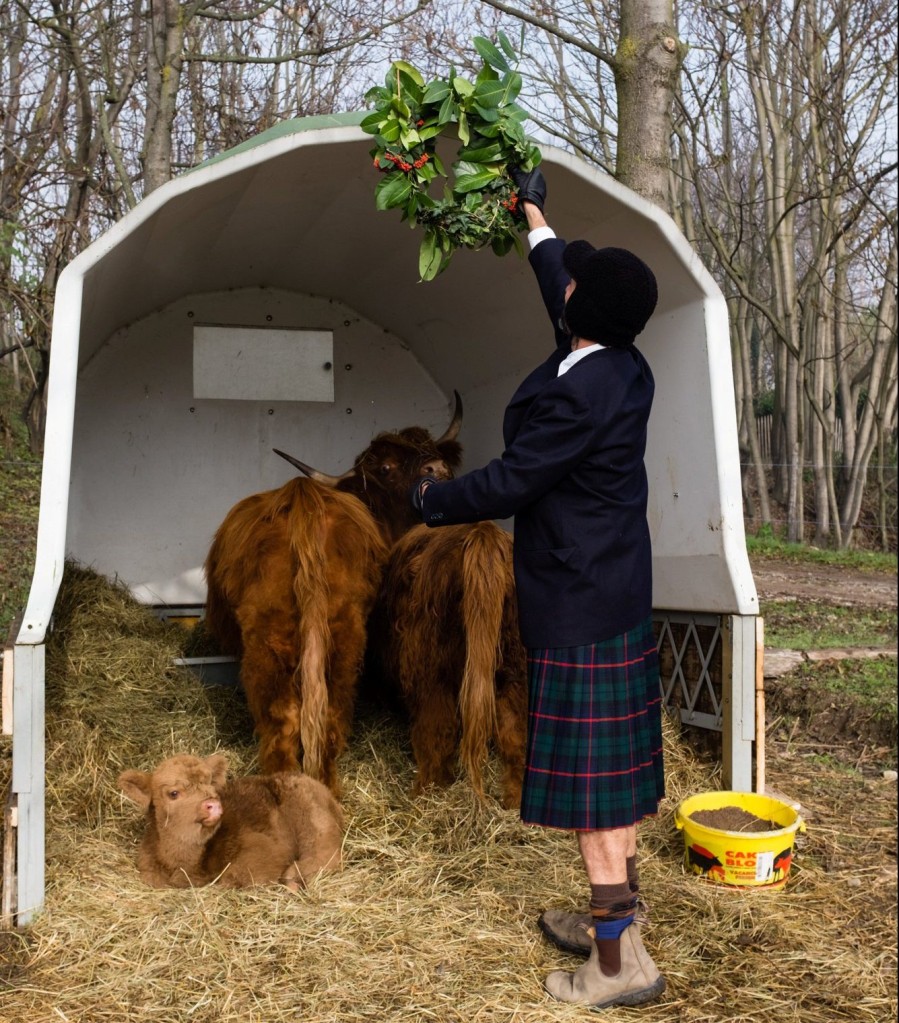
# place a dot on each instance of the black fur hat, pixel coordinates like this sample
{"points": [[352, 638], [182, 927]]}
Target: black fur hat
{"points": [[616, 294]]}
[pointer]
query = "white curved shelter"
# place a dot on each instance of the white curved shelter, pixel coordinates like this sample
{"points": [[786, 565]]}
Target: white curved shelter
{"points": [[261, 301]]}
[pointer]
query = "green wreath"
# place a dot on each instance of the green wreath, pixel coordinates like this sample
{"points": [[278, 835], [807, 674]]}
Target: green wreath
{"points": [[481, 206]]}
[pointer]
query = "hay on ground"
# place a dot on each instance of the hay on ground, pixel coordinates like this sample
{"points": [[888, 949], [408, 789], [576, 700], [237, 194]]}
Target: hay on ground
{"points": [[433, 917]]}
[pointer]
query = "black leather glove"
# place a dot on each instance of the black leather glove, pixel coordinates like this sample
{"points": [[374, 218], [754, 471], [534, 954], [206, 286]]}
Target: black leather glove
{"points": [[531, 187], [418, 491]]}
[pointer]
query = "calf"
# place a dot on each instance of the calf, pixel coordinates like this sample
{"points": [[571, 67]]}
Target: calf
{"points": [[200, 827], [445, 632]]}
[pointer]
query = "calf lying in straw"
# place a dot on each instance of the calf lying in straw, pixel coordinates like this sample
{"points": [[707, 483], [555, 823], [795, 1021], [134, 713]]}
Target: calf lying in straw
{"points": [[256, 830]]}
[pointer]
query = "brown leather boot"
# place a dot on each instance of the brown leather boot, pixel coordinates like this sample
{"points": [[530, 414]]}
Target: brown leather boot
{"points": [[637, 981], [568, 931]]}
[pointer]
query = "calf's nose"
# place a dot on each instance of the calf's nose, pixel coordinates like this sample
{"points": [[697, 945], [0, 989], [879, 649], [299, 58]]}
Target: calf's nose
{"points": [[434, 467], [210, 811]]}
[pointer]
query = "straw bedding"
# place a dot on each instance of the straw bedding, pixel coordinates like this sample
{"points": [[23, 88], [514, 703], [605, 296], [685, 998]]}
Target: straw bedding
{"points": [[433, 917]]}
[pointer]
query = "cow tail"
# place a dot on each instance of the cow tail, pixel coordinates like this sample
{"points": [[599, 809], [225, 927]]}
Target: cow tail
{"points": [[485, 568], [308, 524]]}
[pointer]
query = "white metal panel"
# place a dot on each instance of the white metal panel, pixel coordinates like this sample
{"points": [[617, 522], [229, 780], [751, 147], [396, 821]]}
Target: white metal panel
{"points": [[263, 363], [28, 778], [155, 470]]}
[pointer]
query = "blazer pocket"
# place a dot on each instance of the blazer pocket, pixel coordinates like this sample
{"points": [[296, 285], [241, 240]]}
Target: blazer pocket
{"points": [[551, 555]]}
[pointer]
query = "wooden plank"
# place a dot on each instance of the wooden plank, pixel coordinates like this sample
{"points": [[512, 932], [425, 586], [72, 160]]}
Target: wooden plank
{"points": [[760, 705], [7, 664], [8, 880]]}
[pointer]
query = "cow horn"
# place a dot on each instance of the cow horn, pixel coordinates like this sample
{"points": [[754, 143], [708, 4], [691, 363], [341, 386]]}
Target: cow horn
{"points": [[321, 477], [452, 431]]}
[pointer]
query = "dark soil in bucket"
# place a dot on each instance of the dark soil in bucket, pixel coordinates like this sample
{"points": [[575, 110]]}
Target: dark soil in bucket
{"points": [[733, 818]]}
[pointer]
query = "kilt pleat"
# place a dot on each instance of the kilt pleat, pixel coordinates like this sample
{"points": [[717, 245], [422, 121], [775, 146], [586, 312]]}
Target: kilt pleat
{"points": [[594, 751]]}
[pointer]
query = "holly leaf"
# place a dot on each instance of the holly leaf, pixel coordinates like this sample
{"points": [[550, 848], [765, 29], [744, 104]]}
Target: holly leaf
{"points": [[512, 87], [464, 132], [490, 93], [487, 113], [373, 122], [409, 138], [392, 190], [475, 182], [390, 131], [508, 48], [429, 257], [490, 53], [481, 153], [406, 68], [447, 110], [436, 91]]}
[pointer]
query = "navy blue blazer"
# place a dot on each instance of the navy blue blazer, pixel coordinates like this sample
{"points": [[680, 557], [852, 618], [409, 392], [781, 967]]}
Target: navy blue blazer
{"points": [[572, 475]]}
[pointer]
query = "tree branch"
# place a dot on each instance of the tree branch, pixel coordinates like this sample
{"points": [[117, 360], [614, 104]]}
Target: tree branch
{"points": [[554, 30]]}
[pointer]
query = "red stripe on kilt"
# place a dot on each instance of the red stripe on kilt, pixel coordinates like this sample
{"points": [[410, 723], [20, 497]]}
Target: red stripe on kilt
{"points": [[594, 664], [623, 717], [593, 774]]}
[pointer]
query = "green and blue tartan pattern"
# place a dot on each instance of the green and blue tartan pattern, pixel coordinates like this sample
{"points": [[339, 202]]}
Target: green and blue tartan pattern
{"points": [[594, 751]]}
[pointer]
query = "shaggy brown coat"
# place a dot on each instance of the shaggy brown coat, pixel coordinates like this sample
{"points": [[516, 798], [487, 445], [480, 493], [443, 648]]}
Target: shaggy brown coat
{"points": [[292, 575], [200, 827], [447, 635]]}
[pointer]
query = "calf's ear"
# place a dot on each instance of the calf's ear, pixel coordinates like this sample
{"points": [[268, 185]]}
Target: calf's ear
{"points": [[136, 786], [218, 768]]}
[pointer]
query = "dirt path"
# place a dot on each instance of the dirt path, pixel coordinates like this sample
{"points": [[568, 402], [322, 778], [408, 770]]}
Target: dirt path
{"points": [[778, 580]]}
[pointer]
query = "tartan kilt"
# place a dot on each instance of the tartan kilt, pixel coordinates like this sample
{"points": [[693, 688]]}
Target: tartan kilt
{"points": [[594, 751]]}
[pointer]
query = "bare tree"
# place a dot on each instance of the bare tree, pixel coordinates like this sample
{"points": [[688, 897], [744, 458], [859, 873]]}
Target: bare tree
{"points": [[811, 86], [95, 115], [634, 42]]}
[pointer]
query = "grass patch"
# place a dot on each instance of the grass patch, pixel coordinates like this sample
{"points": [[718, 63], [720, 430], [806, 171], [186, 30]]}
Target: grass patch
{"points": [[871, 683], [765, 545], [20, 485], [815, 625], [840, 703]]}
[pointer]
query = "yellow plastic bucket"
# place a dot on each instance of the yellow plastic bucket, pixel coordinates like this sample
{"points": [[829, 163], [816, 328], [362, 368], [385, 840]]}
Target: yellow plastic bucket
{"points": [[739, 858]]}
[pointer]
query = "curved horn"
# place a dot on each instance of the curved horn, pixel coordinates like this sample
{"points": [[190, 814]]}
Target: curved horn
{"points": [[321, 477], [452, 431]]}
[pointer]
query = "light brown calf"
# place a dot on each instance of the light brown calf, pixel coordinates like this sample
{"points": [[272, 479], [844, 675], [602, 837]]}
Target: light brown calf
{"points": [[201, 827]]}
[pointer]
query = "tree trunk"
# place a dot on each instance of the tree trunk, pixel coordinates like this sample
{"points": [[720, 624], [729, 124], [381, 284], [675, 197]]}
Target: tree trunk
{"points": [[646, 66], [164, 64]]}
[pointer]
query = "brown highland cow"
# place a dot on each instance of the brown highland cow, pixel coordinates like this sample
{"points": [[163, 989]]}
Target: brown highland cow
{"points": [[202, 828]]}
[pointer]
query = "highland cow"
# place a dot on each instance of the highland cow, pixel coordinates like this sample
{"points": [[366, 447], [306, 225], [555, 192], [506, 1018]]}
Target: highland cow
{"points": [[202, 828], [447, 636]]}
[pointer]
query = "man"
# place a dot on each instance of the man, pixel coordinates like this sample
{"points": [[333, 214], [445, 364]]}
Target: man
{"points": [[572, 474]]}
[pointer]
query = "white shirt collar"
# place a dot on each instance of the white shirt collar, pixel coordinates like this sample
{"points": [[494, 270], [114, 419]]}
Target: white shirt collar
{"points": [[576, 356]]}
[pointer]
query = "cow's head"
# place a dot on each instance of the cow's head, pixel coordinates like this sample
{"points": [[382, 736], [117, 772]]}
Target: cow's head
{"points": [[383, 474], [181, 795]]}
